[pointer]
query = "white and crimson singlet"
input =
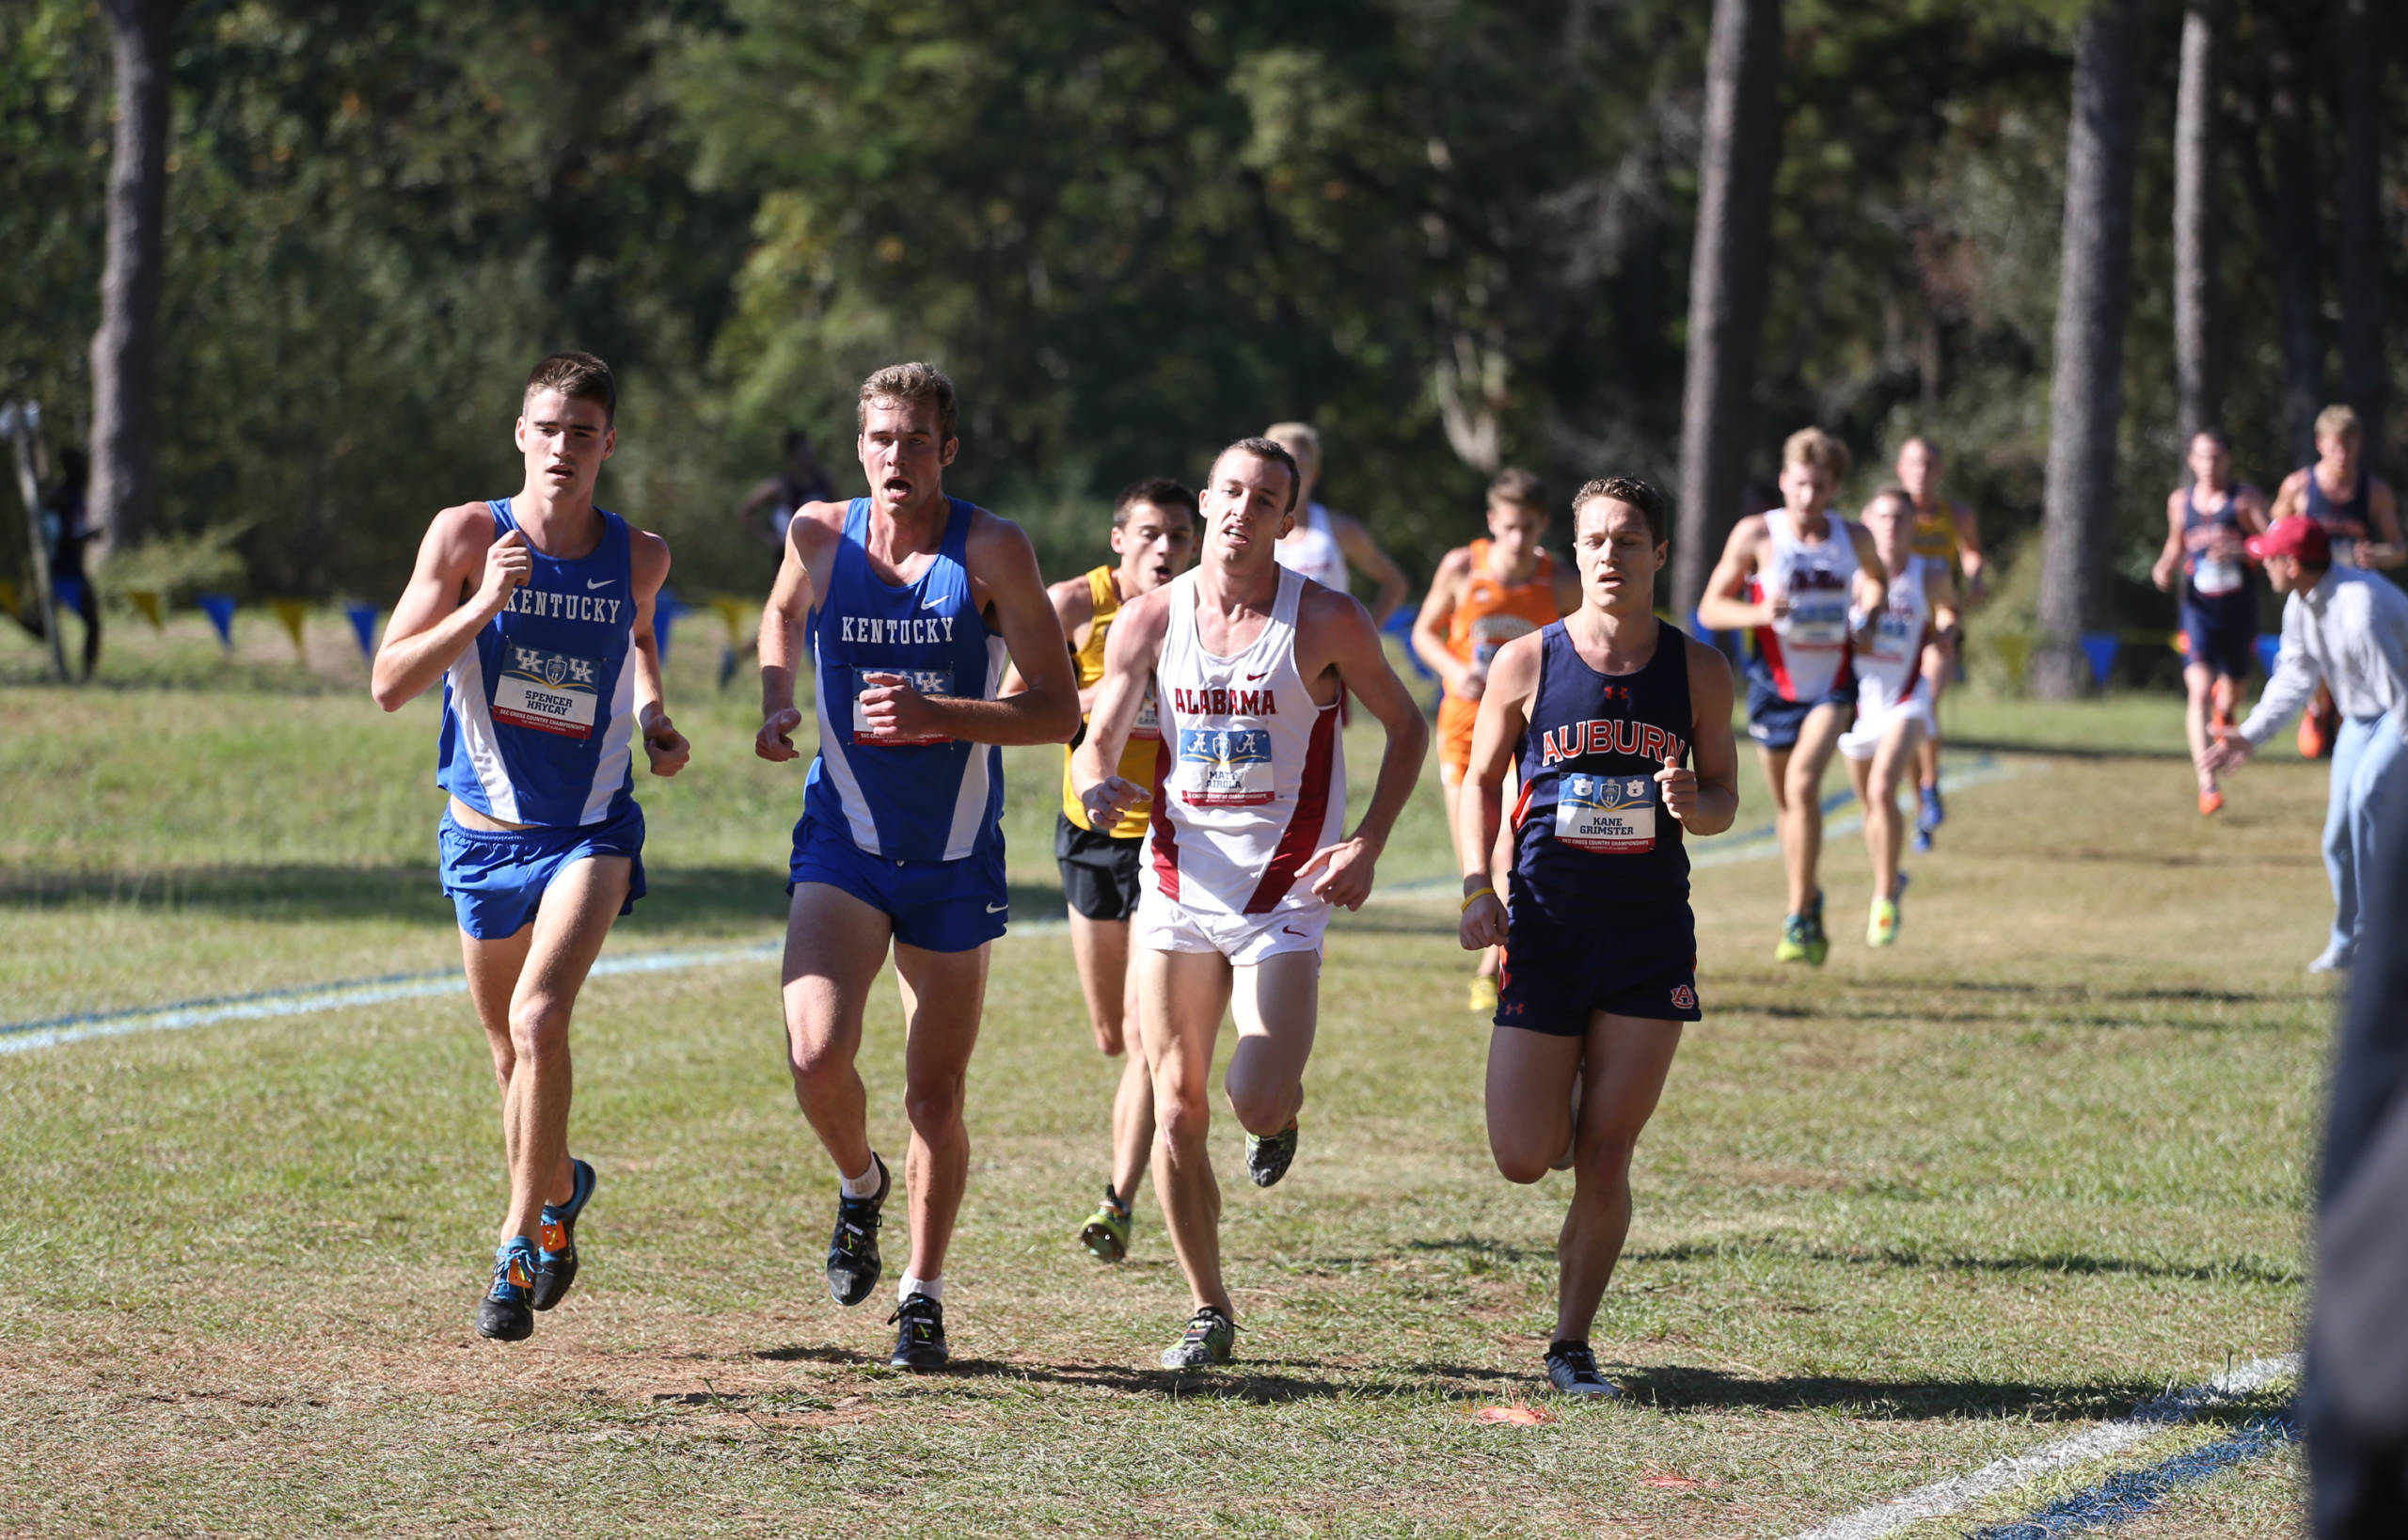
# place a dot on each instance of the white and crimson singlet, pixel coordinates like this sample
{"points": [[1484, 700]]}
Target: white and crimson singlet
{"points": [[1804, 656], [1889, 668], [1251, 780]]}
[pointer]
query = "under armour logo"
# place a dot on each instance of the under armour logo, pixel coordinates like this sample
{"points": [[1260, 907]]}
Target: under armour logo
{"points": [[1618, 692]]}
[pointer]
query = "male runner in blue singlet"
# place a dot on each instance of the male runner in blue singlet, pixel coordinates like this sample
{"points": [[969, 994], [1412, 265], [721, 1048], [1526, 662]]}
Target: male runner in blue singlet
{"points": [[1600, 708], [535, 610], [912, 600]]}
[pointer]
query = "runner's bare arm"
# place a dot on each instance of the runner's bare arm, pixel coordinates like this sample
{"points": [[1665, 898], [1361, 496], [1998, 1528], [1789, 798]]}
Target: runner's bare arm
{"points": [[1710, 785], [663, 744], [2291, 497], [2387, 549], [1969, 549], [1129, 654], [462, 579], [1002, 572], [1872, 577], [1364, 554], [1437, 608], [782, 622], [1720, 608], [1334, 627], [2169, 560], [1074, 607], [2251, 504], [1480, 810]]}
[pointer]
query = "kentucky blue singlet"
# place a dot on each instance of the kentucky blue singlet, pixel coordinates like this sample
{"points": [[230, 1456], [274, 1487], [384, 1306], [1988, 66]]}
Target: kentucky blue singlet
{"points": [[1593, 843], [931, 800], [539, 714]]}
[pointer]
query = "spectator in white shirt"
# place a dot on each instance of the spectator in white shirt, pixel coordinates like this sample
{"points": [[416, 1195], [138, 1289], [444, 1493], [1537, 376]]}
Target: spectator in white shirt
{"points": [[2346, 630]]}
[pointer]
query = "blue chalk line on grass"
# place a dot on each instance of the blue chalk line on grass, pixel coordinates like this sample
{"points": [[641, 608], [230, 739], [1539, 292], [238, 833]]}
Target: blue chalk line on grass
{"points": [[2129, 1494]]}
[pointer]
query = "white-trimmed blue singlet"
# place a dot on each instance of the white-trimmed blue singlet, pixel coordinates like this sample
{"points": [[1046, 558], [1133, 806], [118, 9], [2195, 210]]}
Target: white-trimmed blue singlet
{"points": [[936, 800], [539, 717]]}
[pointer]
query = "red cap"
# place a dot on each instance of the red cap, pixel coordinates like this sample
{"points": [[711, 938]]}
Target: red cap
{"points": [[2297, 536]]}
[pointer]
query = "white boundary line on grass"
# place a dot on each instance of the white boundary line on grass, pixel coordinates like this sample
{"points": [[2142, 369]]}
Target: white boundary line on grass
{"points": [[1957, 1493]]}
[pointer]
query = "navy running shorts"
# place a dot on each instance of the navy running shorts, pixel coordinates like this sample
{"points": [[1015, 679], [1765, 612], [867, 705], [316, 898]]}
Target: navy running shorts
{"points": [[938, 906], [1774, 722], [497, 877], [1099, 873], [1555, 977], [2223, 630]]}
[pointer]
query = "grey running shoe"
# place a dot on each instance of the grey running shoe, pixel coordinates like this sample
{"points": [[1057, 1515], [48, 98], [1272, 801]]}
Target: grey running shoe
{"points": [[1267, 1160], [1207, 1341], [1572, 1369], [920, 1342], [853, 1266]]}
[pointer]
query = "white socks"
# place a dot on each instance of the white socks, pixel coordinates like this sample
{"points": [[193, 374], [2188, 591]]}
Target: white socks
{"points": [[863, 1186], [932, 1287]]}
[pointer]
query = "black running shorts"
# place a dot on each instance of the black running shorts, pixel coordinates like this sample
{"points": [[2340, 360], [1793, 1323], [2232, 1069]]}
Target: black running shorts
{"points": [[1099, 872]]}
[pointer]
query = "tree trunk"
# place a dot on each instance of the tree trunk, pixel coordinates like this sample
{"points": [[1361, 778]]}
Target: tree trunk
{"points": [[2365, 383], [1727, 281], [125, 349], [2197, 375], [2094, 301], [2298, 283]]}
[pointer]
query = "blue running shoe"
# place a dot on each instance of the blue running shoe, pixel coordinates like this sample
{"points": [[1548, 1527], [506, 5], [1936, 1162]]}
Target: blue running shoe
{"points": [[1931, 812], [556, 1240], [503, 1313]]}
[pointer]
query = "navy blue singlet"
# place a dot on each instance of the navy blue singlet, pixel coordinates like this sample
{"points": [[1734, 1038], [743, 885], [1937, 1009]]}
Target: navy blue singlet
{"points": [[1592, 844]]}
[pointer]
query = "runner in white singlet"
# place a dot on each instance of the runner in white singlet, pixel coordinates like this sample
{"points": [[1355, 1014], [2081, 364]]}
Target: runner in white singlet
{"points": [[1893, 699], [1320, 542], [1248, 852]]}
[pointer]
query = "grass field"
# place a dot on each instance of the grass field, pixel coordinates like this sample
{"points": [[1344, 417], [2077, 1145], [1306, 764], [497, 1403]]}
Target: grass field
{"points": [[1898, 1218]]}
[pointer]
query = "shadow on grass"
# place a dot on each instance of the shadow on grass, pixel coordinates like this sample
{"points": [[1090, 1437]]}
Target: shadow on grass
{"points": [[2071, 1263], [1263, 1382], [677, 897], [1672, 1387]]}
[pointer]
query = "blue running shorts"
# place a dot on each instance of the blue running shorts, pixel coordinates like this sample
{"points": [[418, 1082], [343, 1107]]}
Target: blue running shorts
{"points": [[1774, 722], [938, 906], [2223, 631], [497, 877], [1555, 977]]}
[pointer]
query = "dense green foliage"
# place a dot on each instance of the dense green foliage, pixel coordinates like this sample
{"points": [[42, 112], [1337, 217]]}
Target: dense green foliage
{"points": [[1450, 233]]}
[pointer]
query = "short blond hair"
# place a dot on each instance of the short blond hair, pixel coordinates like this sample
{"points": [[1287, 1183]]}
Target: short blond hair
{"points": [[1813, 447], [1301, 439], [2338, 421]]}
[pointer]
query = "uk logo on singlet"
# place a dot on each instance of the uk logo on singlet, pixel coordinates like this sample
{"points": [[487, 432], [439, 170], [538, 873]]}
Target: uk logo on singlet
{"points": [[550, 691], [1222, 767]]}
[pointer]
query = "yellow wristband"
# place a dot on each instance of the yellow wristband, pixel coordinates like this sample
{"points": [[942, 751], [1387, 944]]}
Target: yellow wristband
{"points": [[1484, 893]]}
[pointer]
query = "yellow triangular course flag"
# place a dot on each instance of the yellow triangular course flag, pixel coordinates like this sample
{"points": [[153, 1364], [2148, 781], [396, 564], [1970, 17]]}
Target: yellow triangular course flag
{"points": [[294, 613], [2015, 650], [146, 604], [731, 612]]}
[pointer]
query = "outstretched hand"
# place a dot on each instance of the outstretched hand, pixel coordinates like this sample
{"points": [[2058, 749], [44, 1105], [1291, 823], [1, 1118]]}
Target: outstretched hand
{"points": [[774, 743], [2229, 752], [1110, 799], [1345, 870]]}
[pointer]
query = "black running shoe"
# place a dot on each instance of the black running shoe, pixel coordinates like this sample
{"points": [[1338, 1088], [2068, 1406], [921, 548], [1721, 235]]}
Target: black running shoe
{"points": [[919, 1341], [1209, 1339], [853, 1251], [503, 1314], [1572, 1369], [556, 1240], [1267, 1160]]}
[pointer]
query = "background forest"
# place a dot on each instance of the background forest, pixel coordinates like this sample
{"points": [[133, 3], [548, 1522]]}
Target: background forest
{"points": [[1454, 233]]}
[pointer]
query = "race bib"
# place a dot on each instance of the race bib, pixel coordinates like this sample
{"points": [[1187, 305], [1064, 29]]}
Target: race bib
{"points": [[927, 681], [1895, 637], [1817, 620], [1149, 722], [1222, 767], [1612, 814], [550, 691], [2215, 576], [1490, 632]]}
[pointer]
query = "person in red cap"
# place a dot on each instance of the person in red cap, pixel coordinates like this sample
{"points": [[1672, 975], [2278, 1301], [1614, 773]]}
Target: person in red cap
{"points": [[2346, 630]]}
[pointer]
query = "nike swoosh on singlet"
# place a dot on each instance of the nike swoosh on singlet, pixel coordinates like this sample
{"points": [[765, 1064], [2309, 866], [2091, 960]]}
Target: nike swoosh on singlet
{"points": [[592, 583], [1251, 677], [930, 604]]}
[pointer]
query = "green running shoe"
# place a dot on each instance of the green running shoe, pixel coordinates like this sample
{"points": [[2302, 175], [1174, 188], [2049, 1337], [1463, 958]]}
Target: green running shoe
{"points": [[1802, 941], [1209, 1339], [1267, 1160], [1882, 929], [1106, 1235]]}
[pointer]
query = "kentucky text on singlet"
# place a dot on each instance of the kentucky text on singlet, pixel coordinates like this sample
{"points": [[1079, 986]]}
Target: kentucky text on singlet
{"points": [[931, 799], [1145, 743], [1253, 773], [1805, 653], [539, 713], [1593, 847]]}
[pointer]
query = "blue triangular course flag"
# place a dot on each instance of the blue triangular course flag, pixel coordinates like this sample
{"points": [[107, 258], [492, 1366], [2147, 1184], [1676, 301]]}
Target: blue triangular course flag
{"points": [[2101, 646], [665, 609], [363, 625], [219, 607], [69, 592], [2268, 646]]}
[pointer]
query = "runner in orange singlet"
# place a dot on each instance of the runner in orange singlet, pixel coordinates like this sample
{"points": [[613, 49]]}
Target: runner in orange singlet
{"points": [[1483, 596]]}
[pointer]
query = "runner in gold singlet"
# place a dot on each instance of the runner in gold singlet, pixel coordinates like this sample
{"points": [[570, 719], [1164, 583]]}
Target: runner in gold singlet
{"points": [[1943, 531]]}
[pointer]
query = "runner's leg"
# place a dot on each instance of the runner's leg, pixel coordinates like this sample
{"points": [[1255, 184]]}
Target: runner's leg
{"points": [[944, 994], [1180, 997], [571, 924], [835, 944], [2199, 682], [1101, 950], [1877, 787], [1939, 666], [1276, 1002], [1801, 816]]}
